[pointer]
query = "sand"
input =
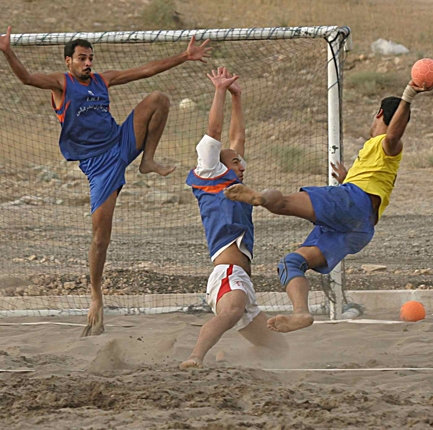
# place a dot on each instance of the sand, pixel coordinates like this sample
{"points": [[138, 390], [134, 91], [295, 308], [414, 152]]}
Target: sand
{"points": [[128, 378]]}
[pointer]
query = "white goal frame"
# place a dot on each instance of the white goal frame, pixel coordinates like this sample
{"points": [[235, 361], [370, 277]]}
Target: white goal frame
{"points": [[334, 36]]}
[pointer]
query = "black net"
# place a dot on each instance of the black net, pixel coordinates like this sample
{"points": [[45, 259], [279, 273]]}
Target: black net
{"points": [[158, 251]]}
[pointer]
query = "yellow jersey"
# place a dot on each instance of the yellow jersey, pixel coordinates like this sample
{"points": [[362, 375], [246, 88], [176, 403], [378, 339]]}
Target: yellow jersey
{"points": [[374, 171]]}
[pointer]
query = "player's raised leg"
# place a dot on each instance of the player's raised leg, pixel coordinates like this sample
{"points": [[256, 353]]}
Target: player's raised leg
{"points": [[230, 309], [150, 117], [258, 334], [297, 204], [102, 220], [291, 271], [241, 193], [297, 290]]}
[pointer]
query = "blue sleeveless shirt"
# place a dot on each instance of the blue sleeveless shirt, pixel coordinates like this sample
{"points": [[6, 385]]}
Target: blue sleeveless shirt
{"points": [[88, 129], [223, 220]]}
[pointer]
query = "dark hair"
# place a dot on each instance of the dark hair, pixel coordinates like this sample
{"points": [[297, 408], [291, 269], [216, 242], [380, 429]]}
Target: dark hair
{"points": [[389, 106], [72, 44]]}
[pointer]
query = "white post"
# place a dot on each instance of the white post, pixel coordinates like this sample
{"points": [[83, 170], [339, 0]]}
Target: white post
{"points": [[334, 151]]}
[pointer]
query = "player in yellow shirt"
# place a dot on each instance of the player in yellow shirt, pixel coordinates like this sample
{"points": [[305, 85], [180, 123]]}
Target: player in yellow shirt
{"points": [[344, 216]]}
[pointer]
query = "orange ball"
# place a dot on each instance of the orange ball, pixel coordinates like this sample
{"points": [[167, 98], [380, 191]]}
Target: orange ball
{"points": [[422, 72], [412, 311]]}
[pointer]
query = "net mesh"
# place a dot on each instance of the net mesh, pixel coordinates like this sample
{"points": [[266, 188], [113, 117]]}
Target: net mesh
{"points": [[158, 256]]}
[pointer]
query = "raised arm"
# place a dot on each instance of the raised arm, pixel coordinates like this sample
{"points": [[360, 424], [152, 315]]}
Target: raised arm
{"points": [[237, 122], [221, 83], [392, 143], [52, 81], [192, 53]]}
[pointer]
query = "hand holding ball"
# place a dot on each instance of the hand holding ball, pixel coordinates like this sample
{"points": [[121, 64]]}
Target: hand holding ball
{"points": [[422, 73]]}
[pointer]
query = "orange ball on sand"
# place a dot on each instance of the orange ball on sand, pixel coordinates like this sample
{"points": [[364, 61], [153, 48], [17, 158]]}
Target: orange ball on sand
{"points": [[412, 311]]}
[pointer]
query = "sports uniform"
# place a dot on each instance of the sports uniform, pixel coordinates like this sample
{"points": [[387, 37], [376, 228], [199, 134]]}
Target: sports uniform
{"points": [[345, 217], [225, 222], [91, 135]]}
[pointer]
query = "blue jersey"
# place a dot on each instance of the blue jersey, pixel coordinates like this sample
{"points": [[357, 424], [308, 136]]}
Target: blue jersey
{"points": [[223, 220], [88, 129]]}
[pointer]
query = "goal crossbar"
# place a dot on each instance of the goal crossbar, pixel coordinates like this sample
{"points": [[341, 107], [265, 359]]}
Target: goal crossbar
{"points": [[229, 34]]}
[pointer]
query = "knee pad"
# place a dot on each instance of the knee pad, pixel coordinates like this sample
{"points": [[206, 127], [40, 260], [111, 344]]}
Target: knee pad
{"points": [[291, 266]]}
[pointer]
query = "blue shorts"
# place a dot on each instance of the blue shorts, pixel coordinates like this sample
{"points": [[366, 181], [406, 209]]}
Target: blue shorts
{"points": [[344, 222], [106, 172]]}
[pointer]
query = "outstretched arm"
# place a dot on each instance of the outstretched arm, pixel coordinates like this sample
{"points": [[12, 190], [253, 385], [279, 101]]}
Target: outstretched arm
{"points": [[221, 83], [237, 122], [209, 148], [52, 81], [392, 144], [192, 53]]}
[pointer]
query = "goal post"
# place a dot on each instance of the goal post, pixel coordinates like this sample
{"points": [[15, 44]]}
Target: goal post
{"points": [[158, 261], [335, 147]]}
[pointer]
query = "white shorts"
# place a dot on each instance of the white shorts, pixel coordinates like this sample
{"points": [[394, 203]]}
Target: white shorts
{"points": [[228, 277]]}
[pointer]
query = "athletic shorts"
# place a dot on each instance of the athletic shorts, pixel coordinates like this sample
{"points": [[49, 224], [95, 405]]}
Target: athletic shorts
{"points": [[106, 172], [344, 222], [226, 278]]}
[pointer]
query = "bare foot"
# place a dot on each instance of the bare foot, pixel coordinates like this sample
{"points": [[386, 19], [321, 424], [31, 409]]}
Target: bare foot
{"points": [[192, 362], [153, 166], [95, 320], [241, 193], [221, 356], [287, 323]]}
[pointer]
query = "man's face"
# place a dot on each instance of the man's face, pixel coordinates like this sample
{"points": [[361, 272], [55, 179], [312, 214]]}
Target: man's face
{"points": [[80, 64], [376, 122], [373, 127], [232, 160]]}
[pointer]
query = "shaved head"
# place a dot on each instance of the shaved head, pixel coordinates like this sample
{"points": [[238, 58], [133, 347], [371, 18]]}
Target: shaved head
{"points": [[232, 160], [227, 155]]}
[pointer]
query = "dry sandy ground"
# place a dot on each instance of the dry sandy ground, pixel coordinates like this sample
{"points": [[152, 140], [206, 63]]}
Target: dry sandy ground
{"points": [[128, 378]]}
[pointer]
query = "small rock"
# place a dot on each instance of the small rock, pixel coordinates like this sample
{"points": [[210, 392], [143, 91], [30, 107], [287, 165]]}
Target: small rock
{"points": [[69, 285], [18, 260], [370, 268], [187, 104], [162, 197], [383, 68], [427, 271], [31, 200]]}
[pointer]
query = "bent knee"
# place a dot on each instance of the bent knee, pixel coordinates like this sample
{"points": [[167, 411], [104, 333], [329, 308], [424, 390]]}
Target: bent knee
{"points": [[291, 266], [159, 98], [232, 315], [275, 201]]}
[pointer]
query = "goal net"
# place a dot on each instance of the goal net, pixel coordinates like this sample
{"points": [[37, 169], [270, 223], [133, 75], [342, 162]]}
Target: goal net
{"points": [[158, 259]]}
